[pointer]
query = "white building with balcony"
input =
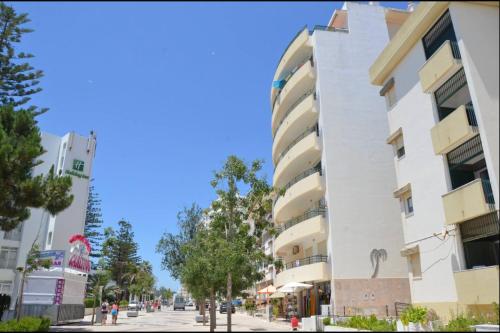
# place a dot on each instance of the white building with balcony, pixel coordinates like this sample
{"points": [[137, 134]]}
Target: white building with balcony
{"points": [[439, 76], [339, 225], [71, 155]]}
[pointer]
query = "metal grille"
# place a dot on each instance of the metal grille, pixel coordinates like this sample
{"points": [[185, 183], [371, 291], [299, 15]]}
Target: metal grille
{"points": [[303, 175], [465, 152], [308, 131], [450, 87], [289, 75], [306, 261], [292, 107], [434, 38], [400, 308], [483, 226], [471, 116], [488, 191], [318, 209]]}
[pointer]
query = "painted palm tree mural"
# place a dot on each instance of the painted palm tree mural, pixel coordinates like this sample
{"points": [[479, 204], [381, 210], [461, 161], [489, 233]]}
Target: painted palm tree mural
{"points": [[375, 257]]}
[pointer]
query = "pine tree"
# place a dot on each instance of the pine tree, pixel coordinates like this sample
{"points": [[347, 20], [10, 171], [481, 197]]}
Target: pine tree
{"points": [[18, 79], [93, 223], [20, 141], [120, 253]]}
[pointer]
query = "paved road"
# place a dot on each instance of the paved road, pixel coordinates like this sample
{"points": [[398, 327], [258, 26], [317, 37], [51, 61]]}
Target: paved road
{"points": [[169, 320]]}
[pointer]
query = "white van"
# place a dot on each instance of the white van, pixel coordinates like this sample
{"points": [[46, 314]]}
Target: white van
{"points": [[179, 303]]}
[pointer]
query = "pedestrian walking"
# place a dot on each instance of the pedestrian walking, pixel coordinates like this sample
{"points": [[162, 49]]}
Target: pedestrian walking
{"points": [[114, 313], [104, 312]]}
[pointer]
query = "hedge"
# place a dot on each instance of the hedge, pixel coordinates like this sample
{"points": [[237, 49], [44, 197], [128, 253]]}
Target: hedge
{"points": [[26, 324], [89, 302]]}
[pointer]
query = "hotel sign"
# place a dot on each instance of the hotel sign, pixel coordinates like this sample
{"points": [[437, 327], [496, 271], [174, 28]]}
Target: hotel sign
{"points": [[77, 169]]}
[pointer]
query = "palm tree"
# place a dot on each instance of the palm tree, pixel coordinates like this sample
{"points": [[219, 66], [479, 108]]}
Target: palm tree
{"points": [[375, 257], [101, 287]]}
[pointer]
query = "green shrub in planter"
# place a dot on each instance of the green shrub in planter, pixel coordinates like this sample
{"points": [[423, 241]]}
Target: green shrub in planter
{"points": [[460, 324], [123, 304], [89, 302], [417, 314], [369, 323], [327, 321], [26, 324]]}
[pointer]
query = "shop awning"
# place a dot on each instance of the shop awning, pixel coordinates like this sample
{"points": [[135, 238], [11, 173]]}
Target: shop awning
{"points": [[267, 290], [277, 295]]}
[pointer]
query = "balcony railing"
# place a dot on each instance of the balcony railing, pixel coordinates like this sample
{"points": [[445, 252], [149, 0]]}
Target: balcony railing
{"points": [[450, 87], [471, 116], [292, 107], [439, 34], [303, 175], [308, 131], [306, 261], [488, 191], [319, 209], [289, 76]]}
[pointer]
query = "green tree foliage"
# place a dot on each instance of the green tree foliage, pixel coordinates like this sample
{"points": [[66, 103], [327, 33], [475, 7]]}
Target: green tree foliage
{"points": [[169, 245], [18, 79], [33, 263], [119, 251], [140, 279], [20, 141], [93, 223], [239, 219]]}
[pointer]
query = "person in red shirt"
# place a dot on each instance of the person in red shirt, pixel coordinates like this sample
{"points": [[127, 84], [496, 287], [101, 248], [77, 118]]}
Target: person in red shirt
{"points": [[295, 323]]}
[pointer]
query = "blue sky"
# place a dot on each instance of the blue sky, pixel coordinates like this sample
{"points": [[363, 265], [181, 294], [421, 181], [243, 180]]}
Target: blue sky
{"points": [[171, 89]]}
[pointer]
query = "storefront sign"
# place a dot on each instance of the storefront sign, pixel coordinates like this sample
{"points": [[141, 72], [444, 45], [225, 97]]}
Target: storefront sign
{"points": [[56, 256], [79, 253], [59, 291]]}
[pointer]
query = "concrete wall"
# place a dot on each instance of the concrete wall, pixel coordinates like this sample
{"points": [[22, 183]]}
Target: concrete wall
{"points": [[358, 164]]}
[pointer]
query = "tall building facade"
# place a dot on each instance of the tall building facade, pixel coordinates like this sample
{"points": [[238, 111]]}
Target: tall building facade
{"points": [[71, 155], [439, 76], [339, 227]]}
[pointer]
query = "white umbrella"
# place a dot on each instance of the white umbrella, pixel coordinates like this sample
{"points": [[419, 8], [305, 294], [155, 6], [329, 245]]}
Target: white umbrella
{"points": [[293, 287]]}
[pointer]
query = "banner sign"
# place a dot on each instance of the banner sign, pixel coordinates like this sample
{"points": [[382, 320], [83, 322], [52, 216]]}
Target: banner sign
{"points": [[79, 253], [57, 257], [59, 291]]}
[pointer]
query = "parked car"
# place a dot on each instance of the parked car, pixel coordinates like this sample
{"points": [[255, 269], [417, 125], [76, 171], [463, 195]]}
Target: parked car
{"points": [[223, 308], [179, 303], [133, 306]]}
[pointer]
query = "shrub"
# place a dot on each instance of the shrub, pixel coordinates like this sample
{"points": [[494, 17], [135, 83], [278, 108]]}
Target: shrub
{"points": [[415, 314], [89, 302], [26, 324], [460, 324], [326, 321], [123, 304], [250, 306], [369, 323]]}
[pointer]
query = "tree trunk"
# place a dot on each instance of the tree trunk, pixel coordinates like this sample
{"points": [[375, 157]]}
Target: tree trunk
{"points": [[93, 307], [229, 300], [20, 298], [213, 312], [203, 312]]}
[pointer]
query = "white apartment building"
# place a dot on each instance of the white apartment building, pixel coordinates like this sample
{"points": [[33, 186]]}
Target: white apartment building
{"points": [[439, 76], [72, 155], [339, 225]]}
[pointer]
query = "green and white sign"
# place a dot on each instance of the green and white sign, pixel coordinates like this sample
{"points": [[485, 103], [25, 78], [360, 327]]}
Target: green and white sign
{"points": [[77, 169], [78, 165]]}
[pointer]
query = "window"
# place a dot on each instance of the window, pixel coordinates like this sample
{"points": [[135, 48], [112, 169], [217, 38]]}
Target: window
{"points": [[390, 98], [409, 206], [8, 257], [49, 238], [416, 269], [5, 287], [14, 234], [400, 147]]}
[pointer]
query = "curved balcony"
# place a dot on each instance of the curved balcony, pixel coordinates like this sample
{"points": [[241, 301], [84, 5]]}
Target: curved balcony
{"points": [[300, 193], [306, 228], [310, 269], [302, 155], [299, 48], [301, 114], [300, 82]]}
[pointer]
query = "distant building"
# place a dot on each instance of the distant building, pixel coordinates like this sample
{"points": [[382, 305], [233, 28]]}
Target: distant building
{"points": [[440, 80], [71, 155]]}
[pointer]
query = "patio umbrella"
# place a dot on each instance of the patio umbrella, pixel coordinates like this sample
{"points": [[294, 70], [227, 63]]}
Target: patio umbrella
{"points": [[277, 295], [293, 287]]}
